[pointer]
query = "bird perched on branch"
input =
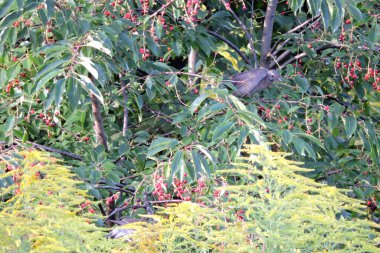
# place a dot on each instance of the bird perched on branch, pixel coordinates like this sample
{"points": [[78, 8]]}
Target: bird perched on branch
{"points": [[254, 80]]}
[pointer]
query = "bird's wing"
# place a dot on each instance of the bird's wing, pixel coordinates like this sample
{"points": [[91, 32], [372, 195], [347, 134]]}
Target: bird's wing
{"points": [[246, 82]]}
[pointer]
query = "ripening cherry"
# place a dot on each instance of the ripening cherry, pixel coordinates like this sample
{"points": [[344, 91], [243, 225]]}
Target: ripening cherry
{"points": [[348, 21], [107, 13]]}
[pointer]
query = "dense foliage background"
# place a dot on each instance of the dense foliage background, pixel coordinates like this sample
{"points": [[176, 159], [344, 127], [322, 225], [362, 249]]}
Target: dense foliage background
{"points": [[155, 79]]}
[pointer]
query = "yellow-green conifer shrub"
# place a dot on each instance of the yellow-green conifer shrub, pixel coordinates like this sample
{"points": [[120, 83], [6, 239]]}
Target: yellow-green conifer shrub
{"points": [[269, 208], [45, 210]]}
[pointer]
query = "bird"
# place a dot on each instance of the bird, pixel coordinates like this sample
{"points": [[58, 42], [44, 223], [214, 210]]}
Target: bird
{"points": [[254, 80]]}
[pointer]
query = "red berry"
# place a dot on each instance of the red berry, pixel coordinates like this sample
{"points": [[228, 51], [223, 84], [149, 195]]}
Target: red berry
{"points": [[348, 21], [196, 91], [32, 111], [107, 13], [309, 45], [14, 59]]}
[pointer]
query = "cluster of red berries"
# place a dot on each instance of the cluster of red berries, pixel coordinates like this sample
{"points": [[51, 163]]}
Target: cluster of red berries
{"points": [[192, 8], [160, 188], [352, 71], [111, 200], [13, 83], [145, 6], [181, 189], [145, 53], [85, 205]]}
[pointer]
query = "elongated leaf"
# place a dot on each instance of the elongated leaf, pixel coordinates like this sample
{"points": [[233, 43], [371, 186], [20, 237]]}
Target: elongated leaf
{"points": [[59, 90], [88, 85], [9, 124], [250, 117], [49, 67], [355, 12], [177, 163], [46, 79], [350, 124], [161, 144], [99, 46], [88, 64], [196, 103], [221, 130], [5, 6]]}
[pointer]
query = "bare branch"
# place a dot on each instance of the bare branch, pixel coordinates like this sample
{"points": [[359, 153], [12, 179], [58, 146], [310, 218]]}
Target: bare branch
{"points": [[98, 121], [276, 48], [317, 50], [191, 62], [125, 98], [58, 151], [267, 33]]}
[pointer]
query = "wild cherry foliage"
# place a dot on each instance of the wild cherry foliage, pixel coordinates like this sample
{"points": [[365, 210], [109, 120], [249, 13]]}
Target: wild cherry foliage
{"points": [[154, 77]]}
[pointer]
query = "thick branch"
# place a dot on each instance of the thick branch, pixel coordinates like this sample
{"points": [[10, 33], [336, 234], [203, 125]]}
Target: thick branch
{"points": [[232, 45], [98, 122], [125, 99], [267, 34], [191, 62]]}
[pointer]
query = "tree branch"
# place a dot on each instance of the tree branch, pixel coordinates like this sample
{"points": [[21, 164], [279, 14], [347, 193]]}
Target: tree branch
{"points": [[247, 34], [98, 122], [125, 98], [267, 34], [276, 48], [191, 62], [317, 50], [233, 46]]}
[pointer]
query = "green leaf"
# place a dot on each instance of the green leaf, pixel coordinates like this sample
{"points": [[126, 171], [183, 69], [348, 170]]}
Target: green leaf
{"points": [[49, 67], [303, 83], [88, 85], [299, 144], [9, 124], [249, 117], [46, 79], [59, 90], [350, 124], [355, 12], [74, 92], [5, 5], [161, 144], [88, 64], [177, 163], [309, 137], [287, 137], [99, 46], [196, 103], [325, 14], [221, 130], [50, 98]]}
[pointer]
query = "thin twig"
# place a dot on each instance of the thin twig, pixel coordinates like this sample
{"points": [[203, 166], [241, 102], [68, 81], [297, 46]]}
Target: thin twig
{"points": [[276, 48], [317, 50], [247, 34], [232, 45]]}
